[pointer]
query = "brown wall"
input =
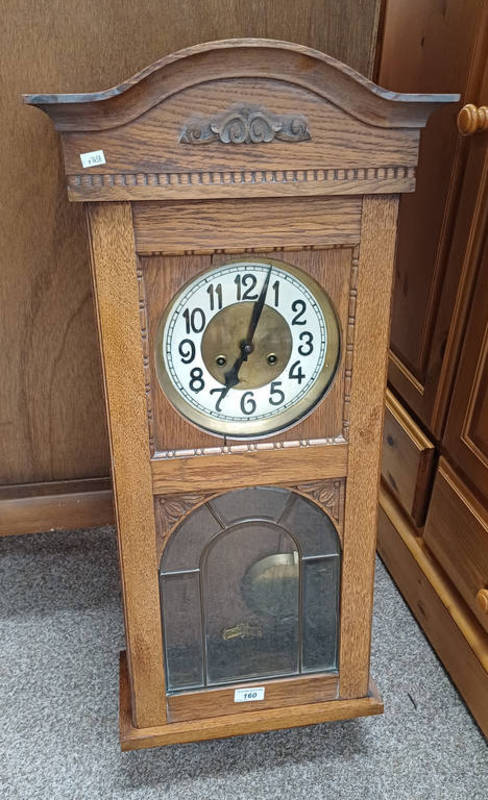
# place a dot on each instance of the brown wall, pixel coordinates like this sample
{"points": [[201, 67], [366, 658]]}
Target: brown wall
{"points": [[51, 407]]}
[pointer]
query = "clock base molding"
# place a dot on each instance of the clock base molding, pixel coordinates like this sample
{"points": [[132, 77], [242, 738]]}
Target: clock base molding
{"points": [[56, 505], [244, 722], [456, 636]]}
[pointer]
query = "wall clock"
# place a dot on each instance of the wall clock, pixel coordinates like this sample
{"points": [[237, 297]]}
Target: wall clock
{"points": [[241, 200]]}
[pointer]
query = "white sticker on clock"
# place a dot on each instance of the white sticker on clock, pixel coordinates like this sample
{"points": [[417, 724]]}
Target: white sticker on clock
{"points": [[249, 695], [93, 159]]}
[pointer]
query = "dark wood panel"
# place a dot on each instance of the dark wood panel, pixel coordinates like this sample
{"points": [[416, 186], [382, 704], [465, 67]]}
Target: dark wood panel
{"points": [[427, 45], [456, 532], [52, 419], [465, 441], [408, 460], [460, 642]]}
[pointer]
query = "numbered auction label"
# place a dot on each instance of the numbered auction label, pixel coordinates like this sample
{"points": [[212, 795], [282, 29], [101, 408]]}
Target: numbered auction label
{"points": [[93, 159], [249, 695]]}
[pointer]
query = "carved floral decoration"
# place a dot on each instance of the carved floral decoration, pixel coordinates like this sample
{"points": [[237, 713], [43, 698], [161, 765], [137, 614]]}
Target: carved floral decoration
{"points": [[246, 124]]}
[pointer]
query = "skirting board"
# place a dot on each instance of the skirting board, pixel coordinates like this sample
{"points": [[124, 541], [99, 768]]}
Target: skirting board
{"points": [[132, 738], [57, 505], [452, 630]]}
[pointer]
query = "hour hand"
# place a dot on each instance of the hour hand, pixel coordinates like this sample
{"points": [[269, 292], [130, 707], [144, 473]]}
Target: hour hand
{"points": [[232, 376]]}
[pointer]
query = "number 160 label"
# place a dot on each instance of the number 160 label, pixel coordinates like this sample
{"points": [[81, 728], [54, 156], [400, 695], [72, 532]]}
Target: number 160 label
{"points": [[249, 695]]}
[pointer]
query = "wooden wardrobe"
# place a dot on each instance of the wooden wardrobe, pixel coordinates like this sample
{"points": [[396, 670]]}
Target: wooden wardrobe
{"points": [[433, 529]]}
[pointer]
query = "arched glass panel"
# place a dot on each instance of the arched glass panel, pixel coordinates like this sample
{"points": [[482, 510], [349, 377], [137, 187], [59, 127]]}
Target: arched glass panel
{"points": [[250, 589]]}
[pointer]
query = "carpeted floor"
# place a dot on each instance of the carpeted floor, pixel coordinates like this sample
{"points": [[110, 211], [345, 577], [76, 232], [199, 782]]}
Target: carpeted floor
{"points": [[61, 632]]}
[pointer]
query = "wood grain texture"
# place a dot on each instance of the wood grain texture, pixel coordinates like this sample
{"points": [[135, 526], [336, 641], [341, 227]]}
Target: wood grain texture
{"points": [[239, 59], [199, 227], [132, 738], [363, 468], [426, 45], [57, 511], [456, 532], [407, 460], [163, 276], [461, 644], [156, 109], [286, 92], [468, 241], [52, 416], [227, 471], [465, 438], [278, 694], [114, 272], [230, 184]]}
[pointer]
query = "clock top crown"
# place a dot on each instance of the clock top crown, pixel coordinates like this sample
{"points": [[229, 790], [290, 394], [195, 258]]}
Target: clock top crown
{"points": [[239, 117]]}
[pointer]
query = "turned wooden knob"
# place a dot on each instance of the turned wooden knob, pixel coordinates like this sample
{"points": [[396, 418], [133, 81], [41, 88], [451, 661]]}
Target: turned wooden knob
{"points": [[482, 600], [472, 119]]}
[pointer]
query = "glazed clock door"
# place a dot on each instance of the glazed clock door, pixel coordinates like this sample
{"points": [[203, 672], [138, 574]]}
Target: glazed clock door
{"points": [[250, 585]]}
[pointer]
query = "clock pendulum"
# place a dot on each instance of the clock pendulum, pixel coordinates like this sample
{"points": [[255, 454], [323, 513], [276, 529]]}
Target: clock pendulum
{"points": [[242, 201]]}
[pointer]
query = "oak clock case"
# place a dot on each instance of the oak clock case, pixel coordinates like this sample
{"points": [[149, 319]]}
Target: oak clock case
{"points": [[249, 348], [241, 201]]}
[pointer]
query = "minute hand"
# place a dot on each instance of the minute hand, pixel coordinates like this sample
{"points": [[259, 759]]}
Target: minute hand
{"points": [[257, 310], [232, 376]]}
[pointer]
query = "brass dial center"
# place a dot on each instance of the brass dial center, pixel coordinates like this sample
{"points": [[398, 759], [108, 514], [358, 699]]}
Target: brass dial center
{"points": [[268, 355]]}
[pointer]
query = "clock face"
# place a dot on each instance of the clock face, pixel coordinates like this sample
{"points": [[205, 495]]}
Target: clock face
{"points": [[248, 349]]}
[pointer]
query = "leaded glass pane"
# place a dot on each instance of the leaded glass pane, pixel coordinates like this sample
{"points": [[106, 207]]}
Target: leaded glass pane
{"points": [[251, 604], [320, 614], [182, 631]]}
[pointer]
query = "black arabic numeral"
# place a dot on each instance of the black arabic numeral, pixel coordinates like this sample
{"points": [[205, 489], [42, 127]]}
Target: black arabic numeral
{"points": [[222, 393], [276, 289], [195, 321], [296, 372], [215, 293], [248, 283], [248, 403], [186, 349], [276, 393], [307, 348], [196, 383], [299, 306]]}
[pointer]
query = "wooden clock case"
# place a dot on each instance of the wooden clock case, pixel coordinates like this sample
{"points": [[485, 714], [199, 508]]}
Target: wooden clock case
{"points": [[316, 185]]}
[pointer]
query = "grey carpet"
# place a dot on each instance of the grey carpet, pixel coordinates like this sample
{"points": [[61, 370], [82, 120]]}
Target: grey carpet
{"points": [[61, 632]]}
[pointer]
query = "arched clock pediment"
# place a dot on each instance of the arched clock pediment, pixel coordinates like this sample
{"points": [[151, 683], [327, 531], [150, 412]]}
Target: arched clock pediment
{"points": [[236, 58], [239, 117]]}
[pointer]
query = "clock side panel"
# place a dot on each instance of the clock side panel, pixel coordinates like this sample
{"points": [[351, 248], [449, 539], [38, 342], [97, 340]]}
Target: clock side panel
{"points": [[161, 276]]}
